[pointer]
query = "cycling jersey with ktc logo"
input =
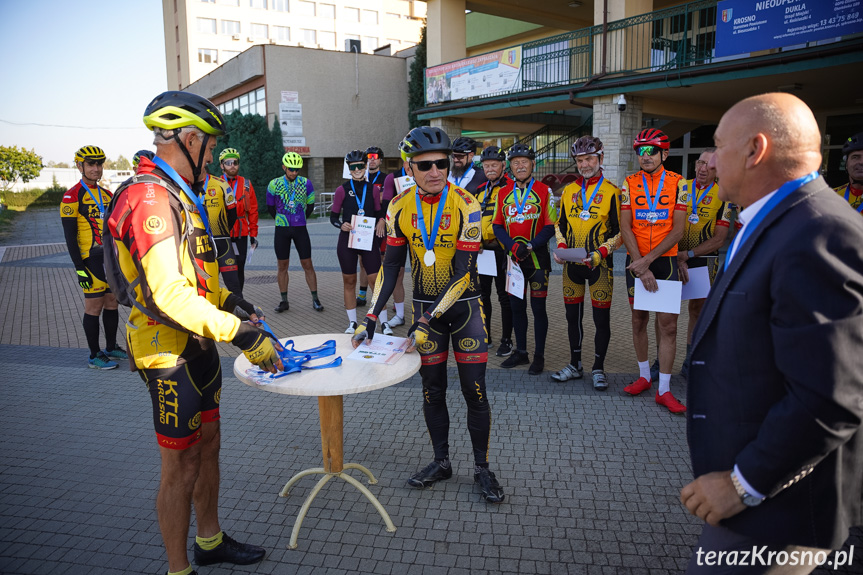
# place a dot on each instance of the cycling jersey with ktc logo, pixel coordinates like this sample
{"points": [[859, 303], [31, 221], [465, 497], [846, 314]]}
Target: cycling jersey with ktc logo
{"points": [[710, 213], [82, 220], [221, 206], [594, 228], [652, 223]]}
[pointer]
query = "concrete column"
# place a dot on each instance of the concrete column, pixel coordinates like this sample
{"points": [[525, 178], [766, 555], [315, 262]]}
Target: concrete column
{"points": [[317, 174], [452, 126], [445, 31], [617, 129]]}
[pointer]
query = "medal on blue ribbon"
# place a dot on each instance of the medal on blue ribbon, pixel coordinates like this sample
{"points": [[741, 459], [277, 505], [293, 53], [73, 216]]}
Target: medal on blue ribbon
{"points": [[98, 201], [430, 237], [360, 203], [585, 203], [519, 206], [693, 217], [652, 215]]}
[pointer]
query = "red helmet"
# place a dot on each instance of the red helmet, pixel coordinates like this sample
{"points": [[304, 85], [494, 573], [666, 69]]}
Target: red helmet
{"points": [[651, 137]]}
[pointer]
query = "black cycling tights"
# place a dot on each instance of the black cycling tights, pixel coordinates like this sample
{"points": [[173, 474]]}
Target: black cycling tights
{"points": [[602, 323], [463, 324], [537, 280]]}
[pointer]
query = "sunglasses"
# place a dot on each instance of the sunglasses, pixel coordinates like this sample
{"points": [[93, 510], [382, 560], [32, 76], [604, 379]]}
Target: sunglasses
{"points": [[426, 165], [373, 157], [230, 162], [94, 162], [292, 169], [459, 156], [647, 150], [353, 167]]}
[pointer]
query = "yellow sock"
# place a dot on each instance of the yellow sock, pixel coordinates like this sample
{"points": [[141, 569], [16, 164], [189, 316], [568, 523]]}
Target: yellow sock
{"points": [[209, 542], [185, 571]]}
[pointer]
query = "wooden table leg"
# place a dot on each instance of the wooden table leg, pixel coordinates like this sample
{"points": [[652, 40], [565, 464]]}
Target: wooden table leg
{"points": [[331, 411]]}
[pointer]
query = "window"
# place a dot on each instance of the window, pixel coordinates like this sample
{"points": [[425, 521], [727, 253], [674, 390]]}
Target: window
{"points": [[309, 37], [259, 30], [228, 54], [254, 102], [280, 5], [259, 4], [393, 42], [352, 14], [282, 33], [230, 27], [327, 11], [230, 2], [204, 1], [327, 40], [370, 43], [207, 56], [352, 37], [206, 25], [370, 17], [393, 16], [305, 8]]}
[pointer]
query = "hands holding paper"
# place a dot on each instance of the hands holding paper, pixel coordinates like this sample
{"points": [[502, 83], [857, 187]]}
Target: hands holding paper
{"points": [[640, 268], [346, 227]]}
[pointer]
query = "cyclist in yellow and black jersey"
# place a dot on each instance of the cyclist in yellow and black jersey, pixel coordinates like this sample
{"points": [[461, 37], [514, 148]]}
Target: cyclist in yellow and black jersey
{"points": [[852, 150], [82, 211], [438, 224], [221, 206], [589, 219]]}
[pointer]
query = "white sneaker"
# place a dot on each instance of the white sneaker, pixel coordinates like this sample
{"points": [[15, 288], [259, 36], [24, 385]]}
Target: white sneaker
{"points": [[396, 321], [352, 328], [386, 328], [567, 373]]}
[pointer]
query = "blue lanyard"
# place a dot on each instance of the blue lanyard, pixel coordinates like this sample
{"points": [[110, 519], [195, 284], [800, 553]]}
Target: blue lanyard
{"points": [[372, 182], [786, 190], [519, 206], [234, 187], [652, 202], [848, 195], [428, 241], [697, 202], [101, 204], [585, 203], [461, 179], [360, 203], [402, 170], [291, 186], [172, 173]]}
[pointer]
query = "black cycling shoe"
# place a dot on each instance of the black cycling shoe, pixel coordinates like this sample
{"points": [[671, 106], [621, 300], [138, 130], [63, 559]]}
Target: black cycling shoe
{"points": [[654, 371], [317, 305], [537, 366], [361, 301], [283, 306], [491, 489], [431, 473], [505, 348], [229, 551], [516, 358]]}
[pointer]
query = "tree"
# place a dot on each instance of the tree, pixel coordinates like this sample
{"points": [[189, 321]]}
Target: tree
{"points": [[53, 164], [260, 150], [18, 164], [121, 163], [416, 88]]}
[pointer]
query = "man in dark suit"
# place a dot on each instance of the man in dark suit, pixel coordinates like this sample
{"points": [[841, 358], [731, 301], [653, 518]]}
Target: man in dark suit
{"points": [[775, 393]]}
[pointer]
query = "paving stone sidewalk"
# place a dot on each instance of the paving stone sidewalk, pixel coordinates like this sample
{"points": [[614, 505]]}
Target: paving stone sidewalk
{"points": [[592, 479]]}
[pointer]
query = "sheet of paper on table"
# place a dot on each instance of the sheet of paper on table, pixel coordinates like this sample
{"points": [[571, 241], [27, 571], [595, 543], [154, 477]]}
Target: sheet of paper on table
{"points": [[383, 349], [485, 263], [698, 285], [362, 236], [571, 254], [666, 299], [514, 279]]}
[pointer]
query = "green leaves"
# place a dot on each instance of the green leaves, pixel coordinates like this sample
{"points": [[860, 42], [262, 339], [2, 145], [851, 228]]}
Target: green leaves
{"points": [[17, 164]]}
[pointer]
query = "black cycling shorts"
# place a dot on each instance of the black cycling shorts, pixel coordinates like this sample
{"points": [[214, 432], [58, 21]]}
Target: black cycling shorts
{"points": [[348, 257], [184, 397], [285, 235], [663, 268], [95, 264], [712, 265]]}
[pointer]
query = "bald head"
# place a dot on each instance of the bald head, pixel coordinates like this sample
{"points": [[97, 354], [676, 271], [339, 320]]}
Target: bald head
{"points": [[763, 142]]}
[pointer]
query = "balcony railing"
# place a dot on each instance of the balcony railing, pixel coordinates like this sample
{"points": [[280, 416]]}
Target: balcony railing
{"points": [[663, 40]]}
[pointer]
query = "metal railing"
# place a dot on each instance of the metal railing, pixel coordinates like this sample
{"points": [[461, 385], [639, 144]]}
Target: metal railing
{"points": [[662, 40]]}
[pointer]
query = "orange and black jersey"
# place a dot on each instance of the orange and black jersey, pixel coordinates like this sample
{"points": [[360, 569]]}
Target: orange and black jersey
{"points": [[487, 195], [453, 275], [668, 189], [710, 213], [82, 221], [596, 229], [161, 242], [853, 195], [221, 206]]}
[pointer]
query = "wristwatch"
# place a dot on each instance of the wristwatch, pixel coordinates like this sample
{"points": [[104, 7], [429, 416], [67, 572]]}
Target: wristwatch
{"points": [[690, 254], [747, 498]]}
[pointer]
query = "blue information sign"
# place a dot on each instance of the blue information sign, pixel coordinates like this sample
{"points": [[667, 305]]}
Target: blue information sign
{"points": [[752, 25]]}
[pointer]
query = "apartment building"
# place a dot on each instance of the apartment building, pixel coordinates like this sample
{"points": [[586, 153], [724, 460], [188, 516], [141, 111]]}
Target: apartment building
{"points": [[201, 35]]}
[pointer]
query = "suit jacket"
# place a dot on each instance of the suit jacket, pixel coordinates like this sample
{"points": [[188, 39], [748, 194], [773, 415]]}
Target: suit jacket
{"points": [[776, 378]]}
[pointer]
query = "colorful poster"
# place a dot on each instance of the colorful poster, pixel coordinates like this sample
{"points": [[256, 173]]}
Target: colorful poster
{"points": [[474, 77]]}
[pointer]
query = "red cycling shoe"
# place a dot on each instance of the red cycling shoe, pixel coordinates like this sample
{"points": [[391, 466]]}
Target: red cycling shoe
{"points": [[639, 385], [668, 400]]}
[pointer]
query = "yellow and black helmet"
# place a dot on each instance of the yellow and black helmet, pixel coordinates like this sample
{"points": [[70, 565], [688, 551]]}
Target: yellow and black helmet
{"points": [[173, 110], [229, 153], [292, 160], [92, 153]]}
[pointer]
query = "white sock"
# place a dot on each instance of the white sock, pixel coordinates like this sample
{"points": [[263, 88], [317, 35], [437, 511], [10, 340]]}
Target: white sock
{"points": [[382, 317], [400, 309], [644, 369], [664, 383], [352, 314]]}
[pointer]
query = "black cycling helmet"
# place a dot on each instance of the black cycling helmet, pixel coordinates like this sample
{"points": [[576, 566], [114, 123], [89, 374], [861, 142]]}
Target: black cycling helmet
{"points": [[853, 144], [356, 156], [425, 139], [375, 150], [464, 146], [492, 153], [173, 110], [521, 151], [586, 146]]}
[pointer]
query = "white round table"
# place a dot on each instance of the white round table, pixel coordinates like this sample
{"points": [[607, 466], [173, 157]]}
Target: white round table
{"points": [[330, 385]]}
